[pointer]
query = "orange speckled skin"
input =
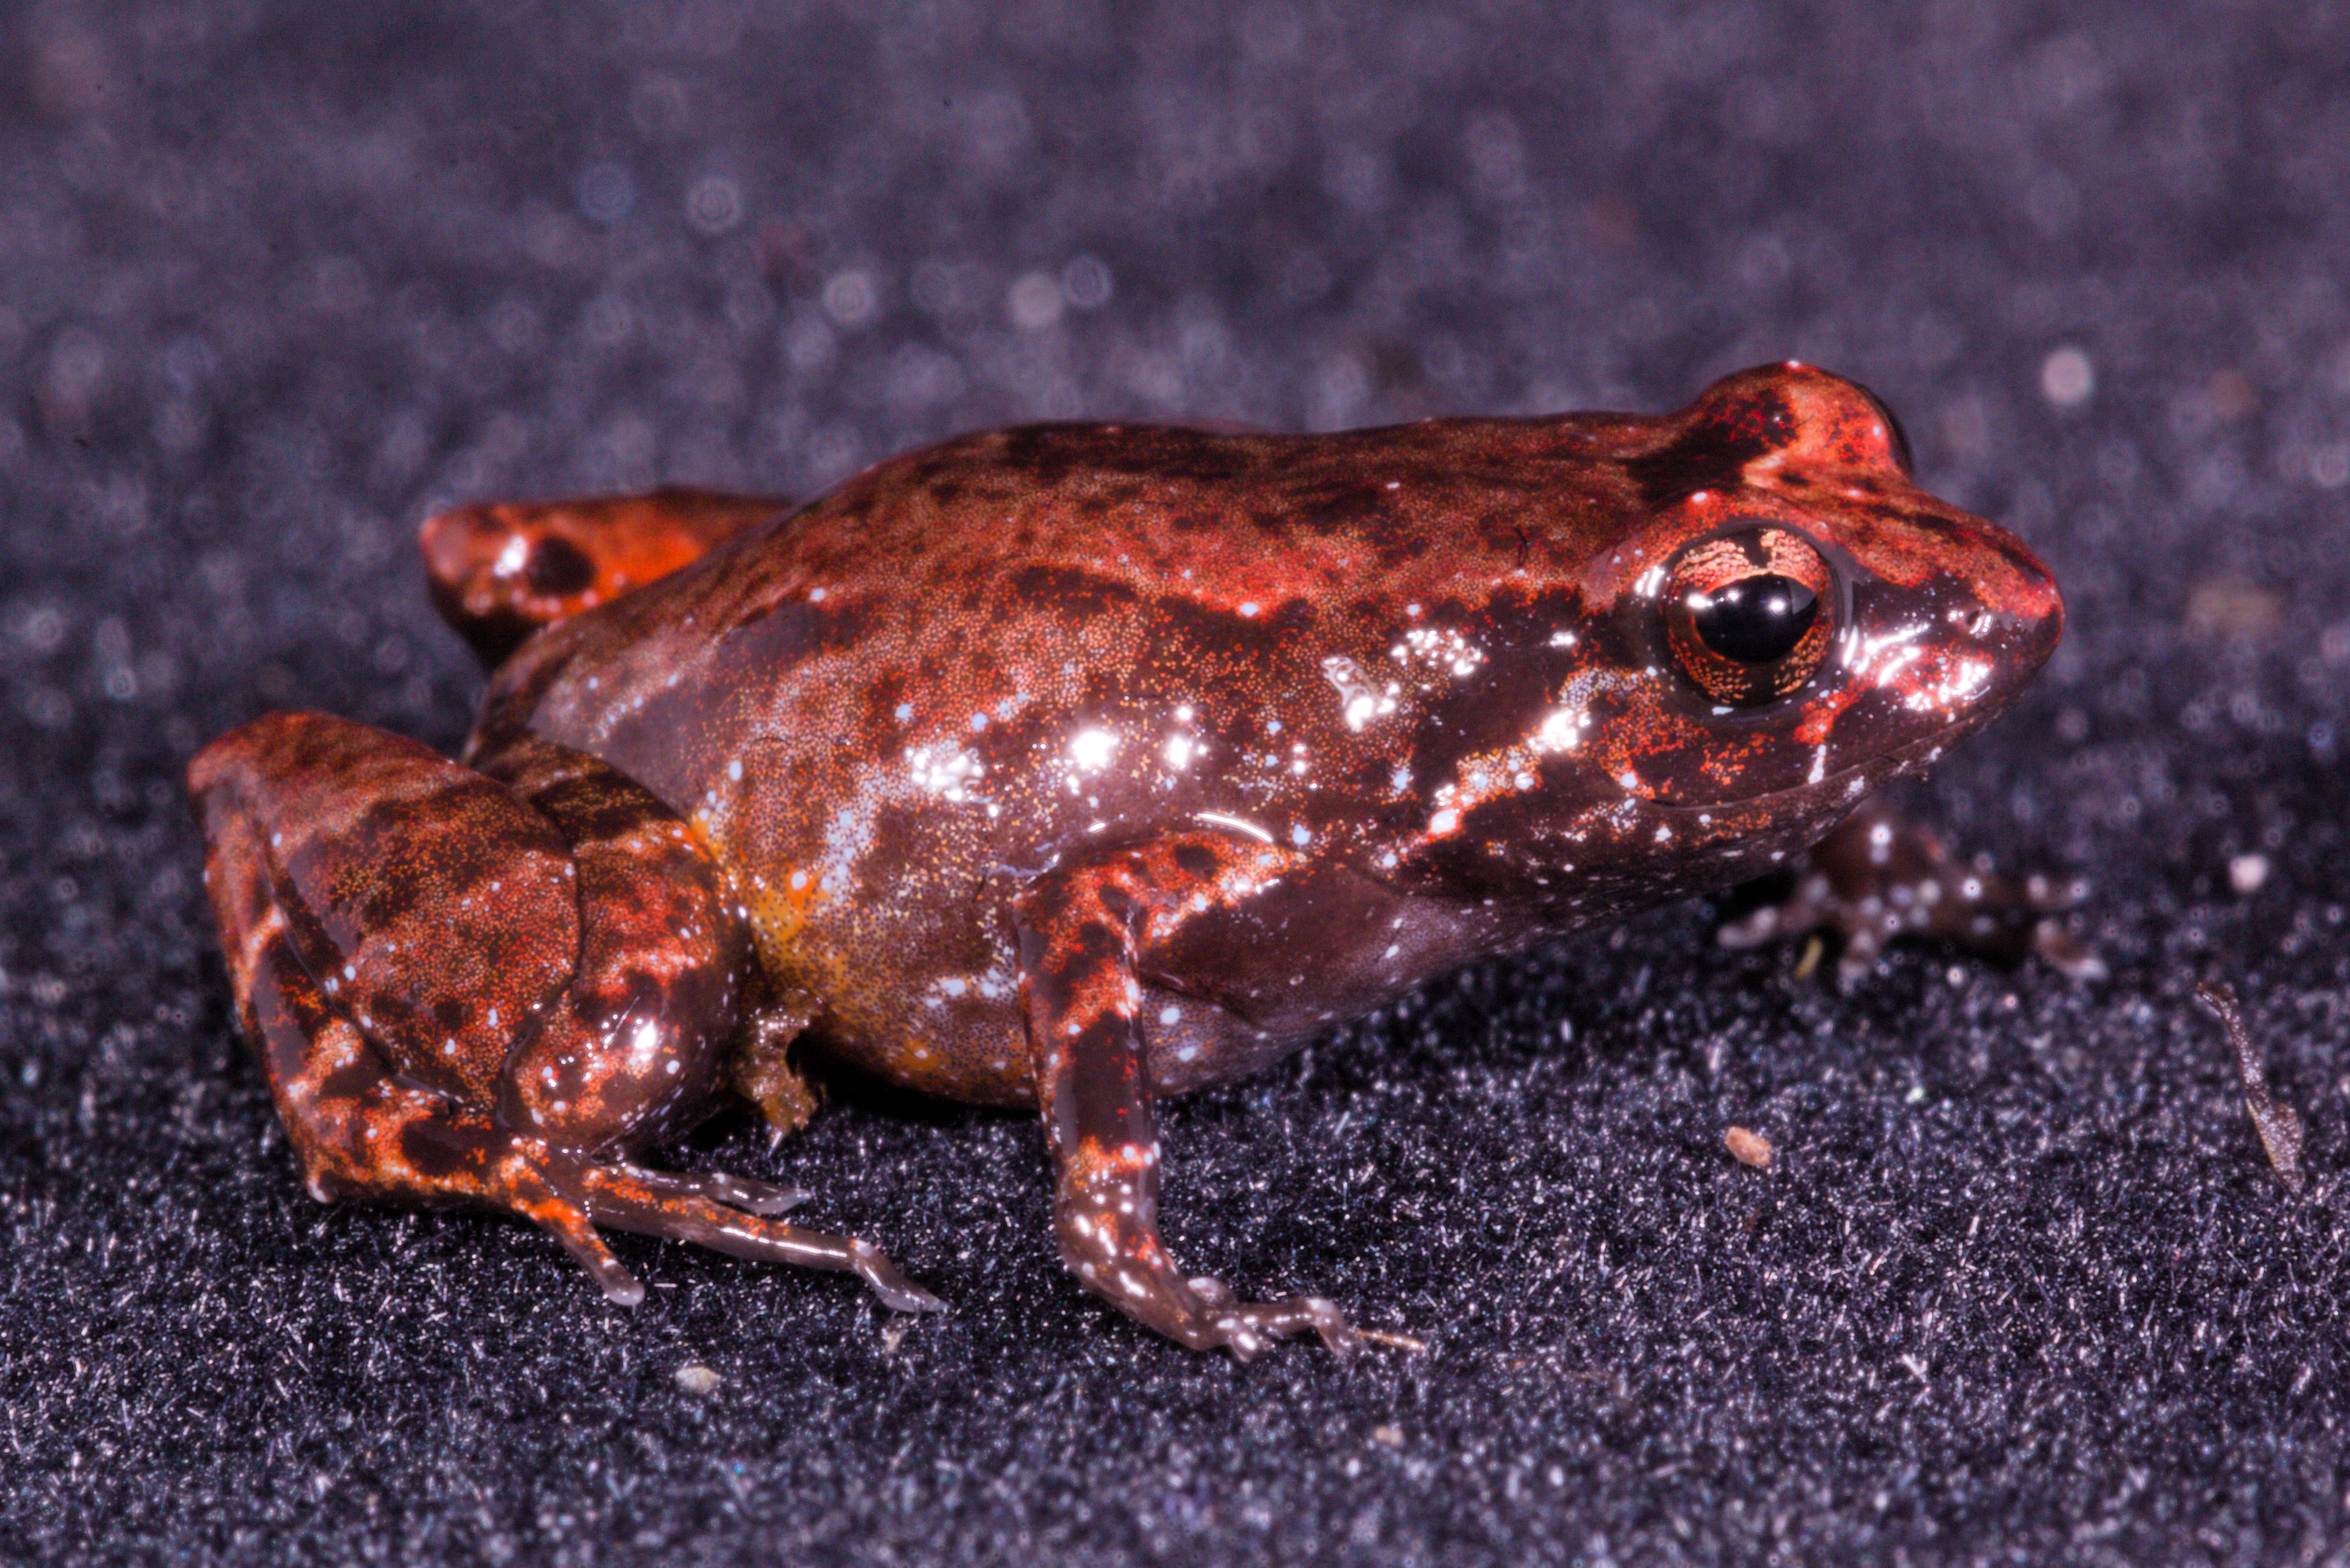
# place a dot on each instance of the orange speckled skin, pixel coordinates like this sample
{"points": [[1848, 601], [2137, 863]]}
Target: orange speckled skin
{"points": [[1068, 765]]}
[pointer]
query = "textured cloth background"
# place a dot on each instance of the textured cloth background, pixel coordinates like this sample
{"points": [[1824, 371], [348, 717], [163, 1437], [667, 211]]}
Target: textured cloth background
{"points": [[277, 279]]}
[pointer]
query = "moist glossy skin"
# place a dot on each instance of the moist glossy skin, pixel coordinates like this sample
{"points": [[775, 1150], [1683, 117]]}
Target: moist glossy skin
{"points": [[1072, 765]]}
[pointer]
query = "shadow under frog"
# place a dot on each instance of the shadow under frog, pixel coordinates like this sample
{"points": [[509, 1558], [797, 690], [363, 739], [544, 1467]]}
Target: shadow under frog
{"points": [[1067, 767]]}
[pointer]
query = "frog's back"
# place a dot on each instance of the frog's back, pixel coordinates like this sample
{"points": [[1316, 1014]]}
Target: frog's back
{"points": [[947, 624]]}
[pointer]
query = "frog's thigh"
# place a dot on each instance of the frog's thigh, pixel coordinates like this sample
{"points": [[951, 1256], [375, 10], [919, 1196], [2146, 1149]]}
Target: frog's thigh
{"points": [[431, 908], [451, 1006], [633, 1051], [1082, 930]]}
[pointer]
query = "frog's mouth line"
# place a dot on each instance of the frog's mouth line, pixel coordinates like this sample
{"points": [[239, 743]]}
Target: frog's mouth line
{"points": [[1902, 762]]}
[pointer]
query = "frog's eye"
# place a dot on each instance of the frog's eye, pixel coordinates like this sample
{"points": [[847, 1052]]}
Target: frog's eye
{"points": [[1749, 615]]}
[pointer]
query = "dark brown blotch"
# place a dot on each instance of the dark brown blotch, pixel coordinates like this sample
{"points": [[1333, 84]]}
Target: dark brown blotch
{"points": [[1713, 453], [777, 636], [557, 568], [1120, 905], [433, 1153], [1195, 860], [1068, 592], [595, 811]]}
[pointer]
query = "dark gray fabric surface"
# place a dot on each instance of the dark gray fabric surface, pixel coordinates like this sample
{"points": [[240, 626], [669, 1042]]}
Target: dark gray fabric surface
{"points": [[2018, 1287]]}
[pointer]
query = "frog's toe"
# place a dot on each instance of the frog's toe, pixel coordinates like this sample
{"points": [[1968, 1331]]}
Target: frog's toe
{"points": [[1201, 1313], [2066, 953], [897, 1292], [1246, 1327], [687, 1208], [577, 1234], [735, 1191]]}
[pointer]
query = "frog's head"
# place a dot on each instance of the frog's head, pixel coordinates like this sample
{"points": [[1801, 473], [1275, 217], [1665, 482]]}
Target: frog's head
{"points": [[1760, 618]]}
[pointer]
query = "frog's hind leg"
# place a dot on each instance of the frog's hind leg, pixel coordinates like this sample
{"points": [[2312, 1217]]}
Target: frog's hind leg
{"points": [[501, 570], [488, 990]]}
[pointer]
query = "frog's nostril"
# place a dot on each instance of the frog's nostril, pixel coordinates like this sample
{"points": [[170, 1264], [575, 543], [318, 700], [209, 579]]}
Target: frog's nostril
{"points": [[2049, 630], [2029, 634]]}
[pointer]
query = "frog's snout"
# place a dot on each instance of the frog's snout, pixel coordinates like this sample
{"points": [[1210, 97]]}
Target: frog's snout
{"points": [[2001, 640], [2028, 620], [2045, 630]]}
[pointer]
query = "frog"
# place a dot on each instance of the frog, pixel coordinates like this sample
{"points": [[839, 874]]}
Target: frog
{"points": [[1069, 768]]}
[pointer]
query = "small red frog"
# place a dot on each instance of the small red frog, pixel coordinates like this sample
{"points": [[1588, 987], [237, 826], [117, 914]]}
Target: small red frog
{"points": [[1070, 766]]}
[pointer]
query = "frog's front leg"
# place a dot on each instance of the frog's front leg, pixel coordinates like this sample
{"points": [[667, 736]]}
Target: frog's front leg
{"points": [[1882, 875], [1086, 931], [488, 990]]}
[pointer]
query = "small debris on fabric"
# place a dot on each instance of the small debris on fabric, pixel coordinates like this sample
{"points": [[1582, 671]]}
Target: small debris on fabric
{"points": [[2231, 607], [1751, 1148], [2279, 1126]]}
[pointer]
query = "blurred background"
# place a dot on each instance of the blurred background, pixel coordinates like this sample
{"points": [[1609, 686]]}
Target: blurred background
{"points": [[278, 280]]}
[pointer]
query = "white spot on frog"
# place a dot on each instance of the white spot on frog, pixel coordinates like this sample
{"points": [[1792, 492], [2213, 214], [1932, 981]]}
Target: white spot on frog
{"points": [[1562, 730], [1091, 749], [644, 1046], [1360, 699], [945, 772]]}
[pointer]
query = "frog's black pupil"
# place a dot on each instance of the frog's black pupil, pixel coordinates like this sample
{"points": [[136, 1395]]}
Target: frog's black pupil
{"points": [[1757, 620]]}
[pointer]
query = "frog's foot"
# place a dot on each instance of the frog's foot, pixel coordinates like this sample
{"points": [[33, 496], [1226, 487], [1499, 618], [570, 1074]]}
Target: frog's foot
{"points": [[501, 571], [1880, 877], [468, 989], [657, 1203], [1109, 1232], [1082, 928], [363, 1132]]}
